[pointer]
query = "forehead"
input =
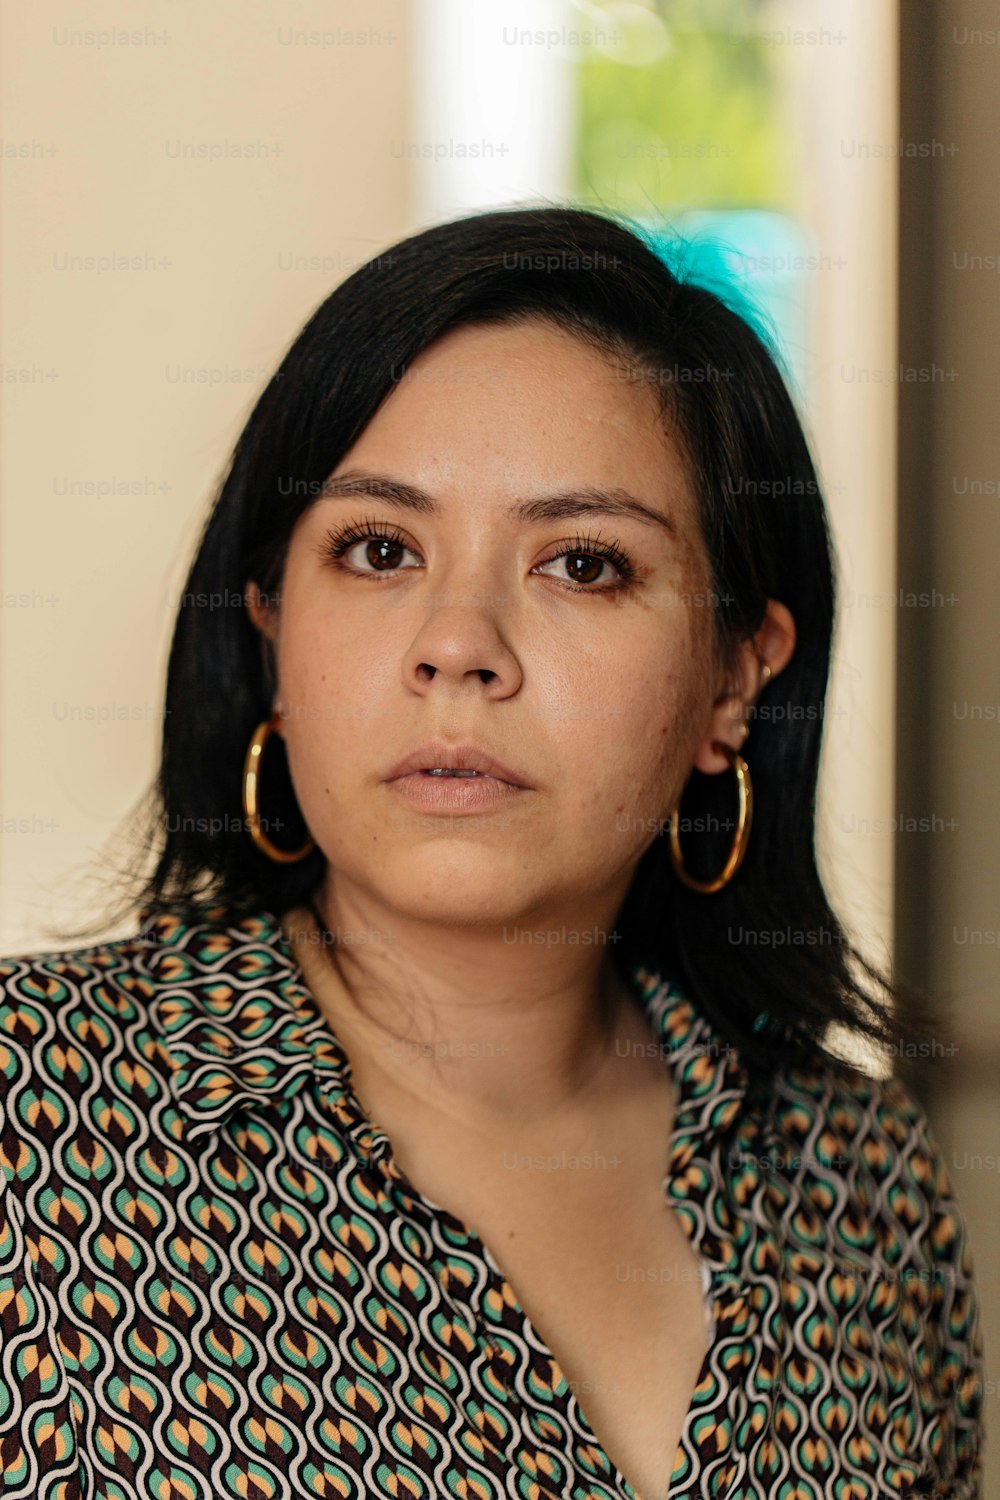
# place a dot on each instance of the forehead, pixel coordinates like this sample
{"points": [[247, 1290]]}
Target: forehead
{"points": [[524, 407]]}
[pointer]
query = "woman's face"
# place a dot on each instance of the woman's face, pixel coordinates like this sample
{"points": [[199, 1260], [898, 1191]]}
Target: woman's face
{"points": [[468, 624]]}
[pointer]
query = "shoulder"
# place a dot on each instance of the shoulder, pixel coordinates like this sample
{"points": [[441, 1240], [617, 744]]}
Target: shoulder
{"points": [[870, 1129], [865, 1189], [877, 1116], [72, 1030], [64, 1013], [878, 1120], [868, 1155], [47, 992]]}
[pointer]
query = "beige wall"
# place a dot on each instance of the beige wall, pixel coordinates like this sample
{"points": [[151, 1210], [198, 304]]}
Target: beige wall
{"points": [[93, 397], [948, 880], [845, 100]]}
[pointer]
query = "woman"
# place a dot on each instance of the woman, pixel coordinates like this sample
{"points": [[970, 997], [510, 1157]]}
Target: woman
{"points": [[461, 1119]]}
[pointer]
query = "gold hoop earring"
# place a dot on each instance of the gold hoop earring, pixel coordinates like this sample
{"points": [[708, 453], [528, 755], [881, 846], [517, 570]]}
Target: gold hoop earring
{"points": [[251, 776], [744, 787]]}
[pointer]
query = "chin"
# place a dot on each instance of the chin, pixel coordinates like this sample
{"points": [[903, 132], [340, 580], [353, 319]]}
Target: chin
{"points": [[463, 887]]}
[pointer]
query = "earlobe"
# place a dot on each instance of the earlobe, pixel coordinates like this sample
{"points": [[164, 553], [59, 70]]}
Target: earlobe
{"points": [[710, 760]]}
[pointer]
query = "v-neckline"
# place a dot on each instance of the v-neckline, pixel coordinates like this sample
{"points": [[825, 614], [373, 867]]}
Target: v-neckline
{"points": [[653, 996], [616, 1481]]}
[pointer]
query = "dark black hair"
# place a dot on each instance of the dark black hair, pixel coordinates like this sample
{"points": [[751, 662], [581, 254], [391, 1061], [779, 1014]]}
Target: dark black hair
{"points": [[765, 958]]}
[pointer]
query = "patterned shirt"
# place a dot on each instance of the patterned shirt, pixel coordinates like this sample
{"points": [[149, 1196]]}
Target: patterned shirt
{"points": [[215, 1281]]}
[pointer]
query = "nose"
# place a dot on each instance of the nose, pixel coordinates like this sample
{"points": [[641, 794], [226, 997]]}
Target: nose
{"points": [[460, 646]]}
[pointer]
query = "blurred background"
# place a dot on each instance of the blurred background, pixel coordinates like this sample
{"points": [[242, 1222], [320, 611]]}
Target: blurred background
{"points": [[183, 184]]}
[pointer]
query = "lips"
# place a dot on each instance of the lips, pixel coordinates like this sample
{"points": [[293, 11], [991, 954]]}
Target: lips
{"points": [[466, 757]]}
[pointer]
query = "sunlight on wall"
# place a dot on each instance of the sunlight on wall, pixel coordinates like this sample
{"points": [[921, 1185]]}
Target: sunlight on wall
{"points": [[492, 112]]}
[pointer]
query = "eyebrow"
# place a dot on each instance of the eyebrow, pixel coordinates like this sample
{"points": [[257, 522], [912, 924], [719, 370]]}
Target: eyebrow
{"points": [[578, 501]]}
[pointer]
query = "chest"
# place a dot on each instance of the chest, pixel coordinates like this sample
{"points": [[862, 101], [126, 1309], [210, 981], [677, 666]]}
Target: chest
{"points": [[616, 1295], [599, 1262]]}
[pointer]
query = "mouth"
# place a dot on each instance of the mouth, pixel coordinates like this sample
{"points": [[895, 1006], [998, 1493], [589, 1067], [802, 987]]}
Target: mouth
{"points": [[444, 771], [451, 773], [466, 762]]}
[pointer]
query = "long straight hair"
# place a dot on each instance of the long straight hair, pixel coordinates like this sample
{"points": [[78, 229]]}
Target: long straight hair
{"points": [[765, 958]]}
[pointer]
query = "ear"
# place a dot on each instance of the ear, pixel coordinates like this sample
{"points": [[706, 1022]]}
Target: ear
{"points": [[262, 612], [758, 661], [264, 617]]}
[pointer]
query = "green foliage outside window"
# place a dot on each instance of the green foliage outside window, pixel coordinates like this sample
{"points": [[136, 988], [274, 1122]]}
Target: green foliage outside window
{"points": [[682, 107]]}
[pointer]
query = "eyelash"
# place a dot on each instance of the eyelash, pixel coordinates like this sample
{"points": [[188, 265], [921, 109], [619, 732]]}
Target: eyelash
{"points": [[339, 540]]}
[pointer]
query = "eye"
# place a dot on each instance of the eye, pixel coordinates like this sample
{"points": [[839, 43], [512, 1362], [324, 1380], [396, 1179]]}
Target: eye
{"points": [[385, 543], [589, 552]]}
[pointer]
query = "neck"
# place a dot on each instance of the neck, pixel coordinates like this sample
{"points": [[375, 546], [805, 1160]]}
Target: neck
{"points": [[488, 1030]]}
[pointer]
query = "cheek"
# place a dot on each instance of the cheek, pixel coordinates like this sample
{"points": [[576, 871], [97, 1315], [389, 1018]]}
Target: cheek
{"points": [[681, 689], [645, 709], [331, 697], [329, 671], [663, 738]]}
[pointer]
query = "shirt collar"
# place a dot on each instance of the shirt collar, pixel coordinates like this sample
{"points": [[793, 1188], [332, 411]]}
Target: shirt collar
{"points": [[241, 1029]]}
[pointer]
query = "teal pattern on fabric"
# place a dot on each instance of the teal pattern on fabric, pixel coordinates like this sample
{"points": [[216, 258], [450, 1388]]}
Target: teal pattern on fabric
{"points": [[215, 1281]]}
